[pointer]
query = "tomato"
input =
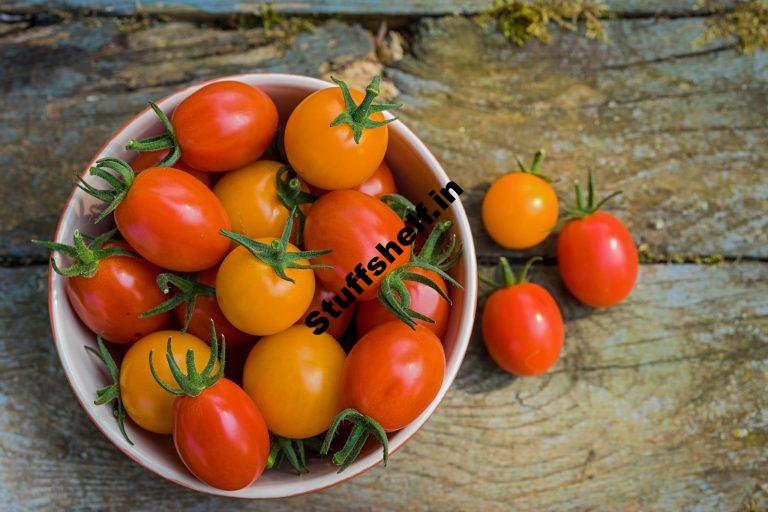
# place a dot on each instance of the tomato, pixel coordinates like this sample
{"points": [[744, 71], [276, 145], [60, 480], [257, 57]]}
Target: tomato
{"points": [[596, 255], [522, 325], [146, 159], [393, 373], [337, 324], [294, 377], [265, 285], [149, 405], [218, 431], [520, 209], [381, 183], [250, 197], [109, 287], [352, 225], [335, 138], [224, 125], [166, 215]]}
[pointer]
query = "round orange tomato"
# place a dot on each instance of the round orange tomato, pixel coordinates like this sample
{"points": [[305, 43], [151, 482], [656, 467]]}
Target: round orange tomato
{"points": [[294, 377], [149, 405], [520, 209], [335, 138]]}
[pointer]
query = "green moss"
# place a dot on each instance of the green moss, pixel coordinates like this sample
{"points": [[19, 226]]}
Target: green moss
{"points": [[746, 23], [521, 21], [647, 256]]}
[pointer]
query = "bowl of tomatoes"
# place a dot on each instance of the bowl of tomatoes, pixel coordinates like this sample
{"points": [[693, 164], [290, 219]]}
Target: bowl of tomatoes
{"points": [[244, 297]]}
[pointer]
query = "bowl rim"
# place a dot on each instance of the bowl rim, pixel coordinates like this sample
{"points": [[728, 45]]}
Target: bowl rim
{"points": [[462, 337]]}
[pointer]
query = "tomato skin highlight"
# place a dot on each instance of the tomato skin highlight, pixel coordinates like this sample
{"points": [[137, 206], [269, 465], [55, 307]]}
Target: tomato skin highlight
{"points": [[523, 329], [351, 224], [147, 404], [173, 220], [295, 379], [393, 373], [424, 300], [598, 259], [520, 210], [337, 326], [207, 308], [147, 159], [224, 125], [328, 157], [110, 302], [221, 436]]}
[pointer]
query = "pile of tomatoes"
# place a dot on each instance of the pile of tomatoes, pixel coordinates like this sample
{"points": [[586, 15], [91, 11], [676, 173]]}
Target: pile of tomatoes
{"points": [[230, 232], [522, 325]]}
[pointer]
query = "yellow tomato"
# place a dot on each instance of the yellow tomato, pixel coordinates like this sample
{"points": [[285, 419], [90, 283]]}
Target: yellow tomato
{"points": [[249, 195], [149, 405], [258, 301], [294, 377]]}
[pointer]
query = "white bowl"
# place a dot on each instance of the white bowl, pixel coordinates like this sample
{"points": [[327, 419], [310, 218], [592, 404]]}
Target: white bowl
{"points": [[416, 172]]}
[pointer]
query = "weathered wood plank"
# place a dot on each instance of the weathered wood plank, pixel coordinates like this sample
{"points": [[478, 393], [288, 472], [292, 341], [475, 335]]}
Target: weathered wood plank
{"points": [[327, 7], [657, 404], [681, 132]]}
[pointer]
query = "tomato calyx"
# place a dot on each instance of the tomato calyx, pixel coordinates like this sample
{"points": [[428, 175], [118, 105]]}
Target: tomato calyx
{"points": [[276, 254], [393, 293], [401, 205], [356, 116], [290, 194], [120, 184], [362, 427], [535, 168], [585, 208], [187, 290], [166, 140], [508, 276], [86, 256], [292, 450], [194, 382], [112, 392]]}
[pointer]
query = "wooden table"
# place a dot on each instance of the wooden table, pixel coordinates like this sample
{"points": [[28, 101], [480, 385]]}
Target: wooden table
{"points": [[657, 404]]}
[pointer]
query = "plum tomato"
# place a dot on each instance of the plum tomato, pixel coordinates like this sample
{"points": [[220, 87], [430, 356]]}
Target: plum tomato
{"points": [[147, 159], [361, 232], [337, 324], [336, 137], [520, 209], [522, 325], [294, 377], [218, 431], [165, 214], [109, 287], [148, 404], [596, 254]]}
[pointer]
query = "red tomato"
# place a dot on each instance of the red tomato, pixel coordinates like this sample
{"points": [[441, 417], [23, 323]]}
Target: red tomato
{"points": [[338, 325], [224, 125], [110, 301], [393, 373], [173, 220], [424, 300], [381, 183], [522, 325], [352, 224], [146, 159], [596, 254]]}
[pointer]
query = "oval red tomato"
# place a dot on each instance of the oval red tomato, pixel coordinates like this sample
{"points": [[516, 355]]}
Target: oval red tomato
{"points": [[146, 159]]}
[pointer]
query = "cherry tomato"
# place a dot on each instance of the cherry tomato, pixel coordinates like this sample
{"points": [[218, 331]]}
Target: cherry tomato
{"points": [[147, 404], [337, 325], [255, 299], [393, 373], [520, 209], [146, 159], [224, 125], [167, 216], [221, 436], [424, 300], [342, 155], [352, 224], [109, 290], [596, 255], [522, 325], [381, 183], [294, 377], [249, 195]]}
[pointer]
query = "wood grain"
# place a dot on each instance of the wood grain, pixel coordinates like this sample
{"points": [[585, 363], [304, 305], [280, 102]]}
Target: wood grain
{"points": [[657, 404]]}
